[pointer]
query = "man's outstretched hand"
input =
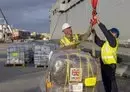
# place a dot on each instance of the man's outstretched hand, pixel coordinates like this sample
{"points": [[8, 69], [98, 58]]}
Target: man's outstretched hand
{"points": [[94, 20]]}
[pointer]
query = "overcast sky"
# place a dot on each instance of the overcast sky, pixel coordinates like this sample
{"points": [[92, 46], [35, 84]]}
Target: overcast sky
{"points": [[32, 15]]}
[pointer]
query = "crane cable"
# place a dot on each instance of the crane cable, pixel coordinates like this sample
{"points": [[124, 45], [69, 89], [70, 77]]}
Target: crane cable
{"points": [[55, 25], [66, 20]]}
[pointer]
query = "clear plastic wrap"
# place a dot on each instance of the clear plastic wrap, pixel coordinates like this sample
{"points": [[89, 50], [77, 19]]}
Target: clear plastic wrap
{"points": [[62, 71], [43, 52], [41, 55], [19, 53], [15, 54]]}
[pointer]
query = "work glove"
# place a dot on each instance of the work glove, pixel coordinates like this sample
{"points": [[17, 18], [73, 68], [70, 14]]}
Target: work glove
{"points": [[93, 21], [93, 30]]}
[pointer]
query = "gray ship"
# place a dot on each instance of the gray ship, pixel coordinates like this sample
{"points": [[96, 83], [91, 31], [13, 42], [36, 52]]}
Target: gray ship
{"points": [[113, 13]]}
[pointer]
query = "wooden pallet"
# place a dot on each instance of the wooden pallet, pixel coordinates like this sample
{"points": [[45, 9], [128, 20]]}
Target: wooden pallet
{"points": [[15, 65], [44, 66]]}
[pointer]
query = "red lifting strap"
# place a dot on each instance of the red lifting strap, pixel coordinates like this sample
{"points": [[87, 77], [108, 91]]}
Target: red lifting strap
{"points": [[94, 6], [94, 3]]}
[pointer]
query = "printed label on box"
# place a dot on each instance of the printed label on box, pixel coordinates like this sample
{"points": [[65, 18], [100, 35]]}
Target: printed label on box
{"points": [[75, 74], [76, 87], [14, 54]]}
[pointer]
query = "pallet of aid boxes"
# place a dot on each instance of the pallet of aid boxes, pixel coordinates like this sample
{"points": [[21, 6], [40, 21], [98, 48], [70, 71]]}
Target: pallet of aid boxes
{"points": [[15, 55], [42, 54], [19, 54], [72, 71]]}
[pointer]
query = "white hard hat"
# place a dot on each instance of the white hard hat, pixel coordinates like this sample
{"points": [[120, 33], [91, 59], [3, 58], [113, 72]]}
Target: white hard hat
{"points": [[65, 25]]}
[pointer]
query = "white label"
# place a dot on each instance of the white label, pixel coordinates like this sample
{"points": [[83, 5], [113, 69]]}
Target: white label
{"points": [[75, 74], [76, 87]]}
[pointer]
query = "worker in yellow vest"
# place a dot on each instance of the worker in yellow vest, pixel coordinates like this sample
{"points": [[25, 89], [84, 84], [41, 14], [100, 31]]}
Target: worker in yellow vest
{"points": [[70, 40], [108, 56]]}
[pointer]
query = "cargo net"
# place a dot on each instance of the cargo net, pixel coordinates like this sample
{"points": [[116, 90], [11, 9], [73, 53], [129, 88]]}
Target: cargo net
{"points": [[73, 71]]}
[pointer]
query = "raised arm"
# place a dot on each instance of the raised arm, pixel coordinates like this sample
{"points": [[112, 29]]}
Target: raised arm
{"points": [[98, 41], [86, 35], [110, 38]]}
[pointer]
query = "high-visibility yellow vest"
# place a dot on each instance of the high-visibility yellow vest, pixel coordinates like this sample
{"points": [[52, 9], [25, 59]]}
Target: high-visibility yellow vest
{"points": [[66, 42], [109, 54]]}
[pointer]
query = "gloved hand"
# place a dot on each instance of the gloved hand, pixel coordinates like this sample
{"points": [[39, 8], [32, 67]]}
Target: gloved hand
{"points": [[93, 21], [93, 30], [97, 19]]}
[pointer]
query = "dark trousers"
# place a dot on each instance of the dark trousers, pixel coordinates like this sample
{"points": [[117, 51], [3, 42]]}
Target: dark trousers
{"points": [[108, 76]]}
